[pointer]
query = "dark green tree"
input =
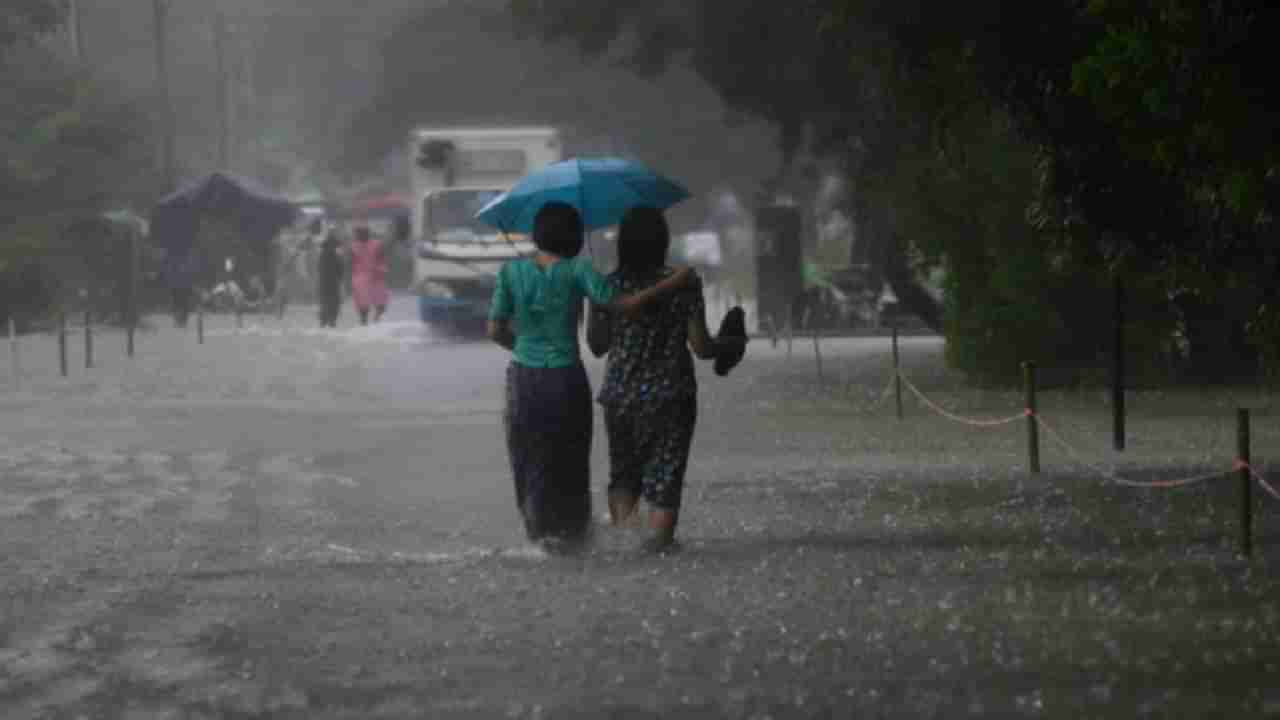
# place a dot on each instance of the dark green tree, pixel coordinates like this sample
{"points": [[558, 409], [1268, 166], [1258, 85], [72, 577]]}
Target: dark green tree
{"points": [[66, 151], [24, 20]]}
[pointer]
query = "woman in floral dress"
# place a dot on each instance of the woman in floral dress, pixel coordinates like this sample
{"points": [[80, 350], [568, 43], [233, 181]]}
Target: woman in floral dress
{"points": [[650, 391]]}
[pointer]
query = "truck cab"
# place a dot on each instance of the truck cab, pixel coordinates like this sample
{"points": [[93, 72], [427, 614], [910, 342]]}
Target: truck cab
{"points": [[455, 173]]}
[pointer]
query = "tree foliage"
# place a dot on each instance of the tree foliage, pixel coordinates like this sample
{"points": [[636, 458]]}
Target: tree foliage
{"points": [[24, 20], [67, 153], [463, 63], [1036, 151]]}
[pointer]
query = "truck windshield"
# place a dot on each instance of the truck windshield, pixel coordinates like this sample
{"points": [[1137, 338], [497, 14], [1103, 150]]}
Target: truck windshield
{"points": [[452, 215]]}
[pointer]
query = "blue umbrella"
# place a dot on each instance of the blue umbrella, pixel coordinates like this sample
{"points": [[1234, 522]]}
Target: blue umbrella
{"points": [[602, 189]]}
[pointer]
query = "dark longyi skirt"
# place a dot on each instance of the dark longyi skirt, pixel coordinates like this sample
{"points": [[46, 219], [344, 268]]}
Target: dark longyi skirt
{"points": [[548, 423]]}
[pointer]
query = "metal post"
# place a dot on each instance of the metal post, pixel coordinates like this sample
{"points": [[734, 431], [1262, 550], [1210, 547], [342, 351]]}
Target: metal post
{"points": [[1246, 482], [200, 324], [88, 338], [897, 377], [15, 367], [1117, 370], [62, 342], [817, 353], [133, 293], [1033, 436], [806, 322], [790, 328]]}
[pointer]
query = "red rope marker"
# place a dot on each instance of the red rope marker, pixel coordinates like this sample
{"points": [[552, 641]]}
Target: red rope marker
{"points": [[1242, 465], [1111, 474], [976, 422]]}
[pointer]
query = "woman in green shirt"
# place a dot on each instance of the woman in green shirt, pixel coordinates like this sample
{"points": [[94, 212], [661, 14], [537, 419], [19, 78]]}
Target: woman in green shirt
{"points": [[535, 312]]}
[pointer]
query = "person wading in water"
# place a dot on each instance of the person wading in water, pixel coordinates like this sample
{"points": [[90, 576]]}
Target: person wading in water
{"points": [[535, 312]]}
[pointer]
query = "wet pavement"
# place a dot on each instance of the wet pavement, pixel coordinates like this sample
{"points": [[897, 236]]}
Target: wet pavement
{"points": [[290, 522]]}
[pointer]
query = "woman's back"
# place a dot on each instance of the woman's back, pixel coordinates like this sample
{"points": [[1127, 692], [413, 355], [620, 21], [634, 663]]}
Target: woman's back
{"points": [[649, 360], [545, 303]]}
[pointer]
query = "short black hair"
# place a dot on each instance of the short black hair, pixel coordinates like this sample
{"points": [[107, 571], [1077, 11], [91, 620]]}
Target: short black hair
{"points": [[557, 229], [643, 240]]}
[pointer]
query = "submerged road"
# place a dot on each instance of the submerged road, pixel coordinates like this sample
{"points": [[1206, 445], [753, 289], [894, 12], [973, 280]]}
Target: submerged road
{"points": [[284, 522]]}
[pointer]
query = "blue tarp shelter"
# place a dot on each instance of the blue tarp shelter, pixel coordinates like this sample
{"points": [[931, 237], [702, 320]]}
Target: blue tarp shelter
{"points": [[256, 213]]}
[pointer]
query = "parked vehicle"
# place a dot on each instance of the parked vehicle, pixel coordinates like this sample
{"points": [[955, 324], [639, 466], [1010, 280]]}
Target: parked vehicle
{"points": [[455, 172]]}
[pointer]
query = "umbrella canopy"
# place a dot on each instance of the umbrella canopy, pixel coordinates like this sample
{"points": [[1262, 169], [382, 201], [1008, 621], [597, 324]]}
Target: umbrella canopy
{"points": [[129, 219], [602, 189]]}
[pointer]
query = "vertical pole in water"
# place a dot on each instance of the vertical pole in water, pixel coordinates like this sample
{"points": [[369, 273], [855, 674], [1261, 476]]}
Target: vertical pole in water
{"points": [[1117, 370], [817, 353], [790, 328], [1033, 436], [807, 323], [200, 324], [88, 338], [897, 377], [1246, 500], [14, 366], [133, 293], [62, 342]]}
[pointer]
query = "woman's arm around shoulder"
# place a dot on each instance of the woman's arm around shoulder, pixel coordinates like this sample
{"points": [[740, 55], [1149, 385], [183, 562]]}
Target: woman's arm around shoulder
{"points": [[681, 278]]}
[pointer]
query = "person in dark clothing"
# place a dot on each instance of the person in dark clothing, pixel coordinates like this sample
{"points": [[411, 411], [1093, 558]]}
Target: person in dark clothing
{"points": [[650, 392], [331, 273]]}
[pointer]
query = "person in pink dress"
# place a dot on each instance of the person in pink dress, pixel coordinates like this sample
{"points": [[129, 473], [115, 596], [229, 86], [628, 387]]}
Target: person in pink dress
{"points": [[368, 276]]}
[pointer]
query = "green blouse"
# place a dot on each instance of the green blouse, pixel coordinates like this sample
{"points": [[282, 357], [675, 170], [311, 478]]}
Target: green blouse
{"points": [[545, 304]]}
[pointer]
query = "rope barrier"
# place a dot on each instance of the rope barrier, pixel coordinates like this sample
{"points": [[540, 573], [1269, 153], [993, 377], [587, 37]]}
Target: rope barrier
{"points": [[1242, 465], [1107, 473], [1112, 475], [976, 422], [883, 397]]}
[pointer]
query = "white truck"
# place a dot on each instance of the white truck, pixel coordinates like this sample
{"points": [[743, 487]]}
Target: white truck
{"points": [[455, 172]]}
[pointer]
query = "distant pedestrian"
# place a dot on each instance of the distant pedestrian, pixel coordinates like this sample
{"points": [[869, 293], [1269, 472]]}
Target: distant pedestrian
{"points": [[535, 313], [368, 276], [329, 285], [181, 271], [650, 391]]}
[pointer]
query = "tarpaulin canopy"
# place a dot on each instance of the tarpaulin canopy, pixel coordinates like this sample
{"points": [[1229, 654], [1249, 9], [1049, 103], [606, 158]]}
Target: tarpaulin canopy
{"points": [[257, 215]]}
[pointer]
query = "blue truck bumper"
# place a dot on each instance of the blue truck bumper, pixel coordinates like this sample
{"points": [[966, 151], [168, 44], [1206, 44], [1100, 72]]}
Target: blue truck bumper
{"points": [[434, 310]]}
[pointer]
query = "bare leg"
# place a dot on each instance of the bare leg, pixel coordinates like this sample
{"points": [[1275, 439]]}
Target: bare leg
{"points": [[378, 312], [364, 316], [622, 507], [663, 524]]}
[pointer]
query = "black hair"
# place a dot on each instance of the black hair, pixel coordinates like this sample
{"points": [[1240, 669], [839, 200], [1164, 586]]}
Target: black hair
{"points": [[643, 240], [557, 229]]}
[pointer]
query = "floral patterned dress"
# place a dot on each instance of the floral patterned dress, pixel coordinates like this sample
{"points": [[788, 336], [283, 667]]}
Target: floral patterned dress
{"points": [[650, 393]]}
